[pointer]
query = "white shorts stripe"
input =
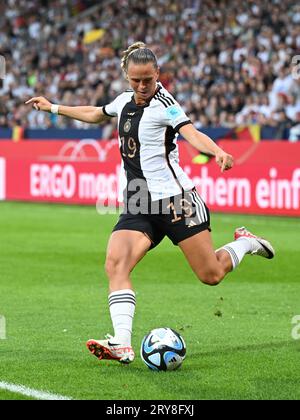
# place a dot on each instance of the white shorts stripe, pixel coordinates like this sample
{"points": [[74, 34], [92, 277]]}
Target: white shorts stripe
{"points": [[203, 205], [203, 211], [197, 208]]}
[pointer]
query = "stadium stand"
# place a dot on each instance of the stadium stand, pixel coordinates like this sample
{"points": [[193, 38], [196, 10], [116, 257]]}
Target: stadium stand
{"points": [[229, 63]]}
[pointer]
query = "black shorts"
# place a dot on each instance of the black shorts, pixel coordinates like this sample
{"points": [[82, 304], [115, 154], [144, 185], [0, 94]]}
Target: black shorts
{"points": [[179, 217]]}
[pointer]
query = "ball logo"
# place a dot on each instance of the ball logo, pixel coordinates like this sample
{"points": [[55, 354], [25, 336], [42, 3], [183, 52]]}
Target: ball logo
{"points": [[296, 328], [177, 344]]}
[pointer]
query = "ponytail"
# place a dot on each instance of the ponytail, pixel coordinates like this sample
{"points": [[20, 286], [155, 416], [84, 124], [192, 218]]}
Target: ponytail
{"points": [[138, 53]]}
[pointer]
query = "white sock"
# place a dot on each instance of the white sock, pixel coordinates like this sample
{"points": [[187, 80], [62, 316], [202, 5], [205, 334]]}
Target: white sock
{"points": [[122, 307], [237, 250]]}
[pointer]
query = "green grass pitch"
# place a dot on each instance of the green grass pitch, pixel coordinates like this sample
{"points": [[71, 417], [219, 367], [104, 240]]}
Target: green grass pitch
{"points": [[54, 298]]}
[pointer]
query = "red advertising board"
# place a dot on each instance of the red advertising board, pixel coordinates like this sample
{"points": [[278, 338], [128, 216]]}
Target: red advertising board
{"points": [[264, 180], [65, 182]]}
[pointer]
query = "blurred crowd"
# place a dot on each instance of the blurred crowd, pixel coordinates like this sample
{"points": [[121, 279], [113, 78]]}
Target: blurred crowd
{"points": [[227, 62]]}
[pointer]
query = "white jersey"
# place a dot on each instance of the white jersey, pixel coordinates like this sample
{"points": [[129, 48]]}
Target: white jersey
{"points": [[148, 142]]}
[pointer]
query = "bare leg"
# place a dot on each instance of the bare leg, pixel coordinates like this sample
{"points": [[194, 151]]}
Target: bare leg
{"points": [[209, 266], [125, 249]]}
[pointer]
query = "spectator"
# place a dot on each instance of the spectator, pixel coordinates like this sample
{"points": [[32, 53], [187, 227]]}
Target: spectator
{"points": [[218, 58]]}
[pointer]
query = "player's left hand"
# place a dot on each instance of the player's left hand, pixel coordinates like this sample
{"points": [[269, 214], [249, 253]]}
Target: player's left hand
{"points": [[224, 160]]}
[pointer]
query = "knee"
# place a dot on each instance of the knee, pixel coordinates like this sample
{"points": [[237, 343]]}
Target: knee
{"points": [[112, 266], [212, 278], [115, 265]]}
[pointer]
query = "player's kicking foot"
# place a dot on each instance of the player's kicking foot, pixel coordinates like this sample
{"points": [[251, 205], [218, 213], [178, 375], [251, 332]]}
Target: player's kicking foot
{"points": [[105, 349], [259, 246]]}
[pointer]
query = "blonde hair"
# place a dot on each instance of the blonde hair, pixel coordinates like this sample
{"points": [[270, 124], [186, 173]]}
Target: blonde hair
{"points": [[138, 53]]}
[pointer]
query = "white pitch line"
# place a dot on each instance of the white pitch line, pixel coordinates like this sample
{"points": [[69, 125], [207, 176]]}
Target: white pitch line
{"points": [[33, 393]]}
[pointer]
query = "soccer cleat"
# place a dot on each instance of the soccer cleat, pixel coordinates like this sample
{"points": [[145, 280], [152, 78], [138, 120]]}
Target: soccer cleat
{"points": [[104, 349], [260, 246]]}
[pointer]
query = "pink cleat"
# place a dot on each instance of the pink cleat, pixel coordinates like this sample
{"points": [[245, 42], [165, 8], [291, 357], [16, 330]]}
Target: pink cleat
{"points": [[260, 246], [104, 349]]}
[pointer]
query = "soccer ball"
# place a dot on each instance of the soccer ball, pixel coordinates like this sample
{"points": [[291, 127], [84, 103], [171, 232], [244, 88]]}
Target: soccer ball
{"points": [[163, 349]]}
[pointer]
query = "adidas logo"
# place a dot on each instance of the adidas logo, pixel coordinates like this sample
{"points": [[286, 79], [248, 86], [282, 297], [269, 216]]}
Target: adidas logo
{"points": [[191, 224]]}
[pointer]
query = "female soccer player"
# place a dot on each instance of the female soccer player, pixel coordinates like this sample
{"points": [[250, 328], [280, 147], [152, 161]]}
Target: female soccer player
{"points": [[159, 198]]}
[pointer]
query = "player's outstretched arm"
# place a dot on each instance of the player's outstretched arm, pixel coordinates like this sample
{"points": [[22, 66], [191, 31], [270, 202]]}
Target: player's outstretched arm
{"points": [[205, 144], [88, 114]]}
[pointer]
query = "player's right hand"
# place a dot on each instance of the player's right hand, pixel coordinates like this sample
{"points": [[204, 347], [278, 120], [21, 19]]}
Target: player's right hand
{"points": [[40, 103]]}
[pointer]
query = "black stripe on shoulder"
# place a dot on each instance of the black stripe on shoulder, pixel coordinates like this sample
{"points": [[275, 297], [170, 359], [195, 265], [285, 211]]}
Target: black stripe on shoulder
{"points": [[164, 98], [106, 113], [162, 101], [168, 98], [179, 126], [129, 90]]}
